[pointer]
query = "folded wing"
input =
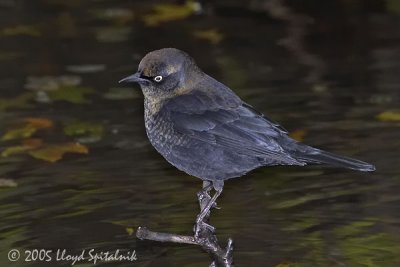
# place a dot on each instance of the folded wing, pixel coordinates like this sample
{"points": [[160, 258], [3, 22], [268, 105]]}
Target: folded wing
{"points": [[225, 121]]}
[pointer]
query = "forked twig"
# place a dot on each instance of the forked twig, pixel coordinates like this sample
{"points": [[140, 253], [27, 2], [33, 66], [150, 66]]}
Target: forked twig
{"points": [[204, 235]]}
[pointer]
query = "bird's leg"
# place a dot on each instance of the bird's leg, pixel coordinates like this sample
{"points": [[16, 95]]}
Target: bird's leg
{"points": [[204, 194], [204, 198], [201, 223], [204, 212]]}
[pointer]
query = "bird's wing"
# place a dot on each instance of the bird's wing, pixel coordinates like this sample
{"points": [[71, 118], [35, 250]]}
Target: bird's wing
{"points": [[226, 121]]}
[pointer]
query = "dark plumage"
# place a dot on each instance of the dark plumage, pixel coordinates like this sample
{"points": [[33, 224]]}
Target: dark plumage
{"points": [[203, 128]]}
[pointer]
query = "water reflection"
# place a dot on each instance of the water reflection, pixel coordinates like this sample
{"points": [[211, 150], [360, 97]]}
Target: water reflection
{"points": [[59, 65]]}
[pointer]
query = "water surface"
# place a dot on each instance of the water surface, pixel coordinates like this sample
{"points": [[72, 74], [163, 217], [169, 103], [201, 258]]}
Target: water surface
{"points": [[330, 74]]}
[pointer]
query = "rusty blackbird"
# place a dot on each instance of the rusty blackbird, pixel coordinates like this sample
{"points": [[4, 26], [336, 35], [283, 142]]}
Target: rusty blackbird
{"points": [[203, 128]]}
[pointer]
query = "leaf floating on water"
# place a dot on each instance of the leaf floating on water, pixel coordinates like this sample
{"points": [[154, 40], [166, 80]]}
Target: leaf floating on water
{"points": [[169, 12], [112, 34], [21, 101], [86, 68], [298, 134], [89, 132], [7, 183], [18, 133], [389, 116], [72, 94], [53, 153], [27, 144], [29, 127], [42, 97], [83, 127], [51, 83], [14, 150], [121, 93], [39, 123], [130, 230], [211, 35], [118, 15], [21, 30]]}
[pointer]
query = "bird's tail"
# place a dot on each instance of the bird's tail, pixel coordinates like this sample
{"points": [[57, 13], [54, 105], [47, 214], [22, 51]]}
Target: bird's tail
{"points": [[317, 156]]}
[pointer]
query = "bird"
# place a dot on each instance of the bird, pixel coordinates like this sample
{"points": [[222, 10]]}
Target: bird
{"points": [[200, 126]]}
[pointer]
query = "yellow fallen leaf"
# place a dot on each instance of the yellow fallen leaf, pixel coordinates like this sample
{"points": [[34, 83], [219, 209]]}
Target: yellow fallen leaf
{"points": [[211, 35], [29, 127], [17, 133], [389, 116], [53, 153], [39, 123], [9, 151], [130, 230], [298, 134], [27, 144], [168, 12]]}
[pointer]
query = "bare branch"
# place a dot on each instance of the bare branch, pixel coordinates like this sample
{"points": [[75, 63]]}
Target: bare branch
{"points": [[144, 233], [204, 235]]}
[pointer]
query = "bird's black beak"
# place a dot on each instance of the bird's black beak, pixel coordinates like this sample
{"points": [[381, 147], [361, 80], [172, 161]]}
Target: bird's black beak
{"points": [[133, 78]]}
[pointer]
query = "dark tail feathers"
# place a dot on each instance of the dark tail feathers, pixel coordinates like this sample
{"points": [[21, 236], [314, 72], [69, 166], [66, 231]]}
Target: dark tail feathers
{"points": [[314, 155]]}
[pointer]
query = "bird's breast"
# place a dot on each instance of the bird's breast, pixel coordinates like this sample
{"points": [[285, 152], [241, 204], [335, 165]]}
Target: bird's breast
{"points": [[161, 133]]}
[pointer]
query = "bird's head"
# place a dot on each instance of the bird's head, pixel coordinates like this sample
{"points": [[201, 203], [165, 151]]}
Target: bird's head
{"points": [[165, 73]]}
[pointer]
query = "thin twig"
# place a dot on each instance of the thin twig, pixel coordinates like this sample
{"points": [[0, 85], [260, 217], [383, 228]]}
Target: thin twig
{"points": [[144, 233]]}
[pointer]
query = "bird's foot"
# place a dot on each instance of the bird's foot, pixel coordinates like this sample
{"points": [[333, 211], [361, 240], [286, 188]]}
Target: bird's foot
{"points": [[205, 198]]}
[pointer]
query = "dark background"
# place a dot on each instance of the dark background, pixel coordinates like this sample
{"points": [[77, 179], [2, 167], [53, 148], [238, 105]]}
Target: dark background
{"points": [[77, 171]]}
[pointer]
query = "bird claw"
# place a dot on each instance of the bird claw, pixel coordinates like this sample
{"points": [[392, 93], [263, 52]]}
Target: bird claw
{"points": [[204, 196], [204, 193]]}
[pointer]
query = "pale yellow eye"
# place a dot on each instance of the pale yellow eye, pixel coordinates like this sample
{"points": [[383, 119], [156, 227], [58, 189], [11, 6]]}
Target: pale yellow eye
{"points": [[158, 78]]}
